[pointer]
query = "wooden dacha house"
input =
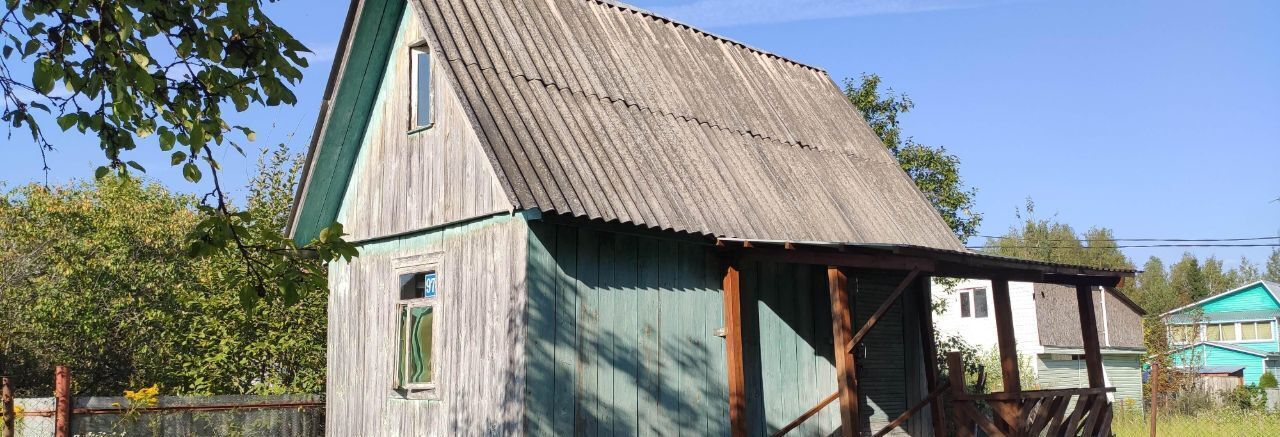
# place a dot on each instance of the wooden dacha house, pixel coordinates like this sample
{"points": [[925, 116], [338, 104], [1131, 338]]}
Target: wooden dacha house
{"points": [[580, 218]]}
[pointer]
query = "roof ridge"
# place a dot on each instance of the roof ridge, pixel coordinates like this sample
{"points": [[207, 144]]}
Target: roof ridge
{"points": [[677, 23]]}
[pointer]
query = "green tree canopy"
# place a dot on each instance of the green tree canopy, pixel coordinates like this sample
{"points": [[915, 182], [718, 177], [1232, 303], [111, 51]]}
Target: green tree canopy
{"points": [[1273, 266], [94, 281], [164, 75], [1052, 241], [935, 171], [1187, 279]]}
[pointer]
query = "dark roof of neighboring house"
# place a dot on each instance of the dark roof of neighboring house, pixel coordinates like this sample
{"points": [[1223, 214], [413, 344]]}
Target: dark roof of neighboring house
{"points": [[596, 110], [1271, 287], [1218, 370], [1119, 295]]}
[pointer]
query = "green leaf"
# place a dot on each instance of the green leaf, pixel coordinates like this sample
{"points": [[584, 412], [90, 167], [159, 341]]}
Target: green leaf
{"points": [[191, 172], [66, 121], [136, 166], [178, 157], [141, 59], [101, 172], [166, 139], [248, 297], [43, 76]]}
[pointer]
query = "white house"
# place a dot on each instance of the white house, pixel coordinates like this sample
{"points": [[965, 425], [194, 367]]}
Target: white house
{"points": [[1046, 327]]}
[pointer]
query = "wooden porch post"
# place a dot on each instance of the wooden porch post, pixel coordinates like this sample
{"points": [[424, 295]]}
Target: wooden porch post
{"points": [[930, 354], [1008, 411], [1004, 330], [733, 351], [842, 333], [1089, 336]]}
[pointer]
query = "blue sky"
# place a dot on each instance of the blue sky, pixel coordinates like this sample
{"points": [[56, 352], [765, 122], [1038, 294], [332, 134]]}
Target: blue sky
{"points": [[1154, 118]]}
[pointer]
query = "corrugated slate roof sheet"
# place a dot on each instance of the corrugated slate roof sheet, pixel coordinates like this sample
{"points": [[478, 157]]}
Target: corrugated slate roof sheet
{"points": [[598, 110]]}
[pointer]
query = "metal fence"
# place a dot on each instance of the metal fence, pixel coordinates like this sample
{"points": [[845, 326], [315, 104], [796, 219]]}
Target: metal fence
{"points": [[102, 416]]}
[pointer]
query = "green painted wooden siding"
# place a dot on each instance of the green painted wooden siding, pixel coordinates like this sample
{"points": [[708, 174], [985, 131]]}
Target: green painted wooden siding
{"points": [[1249, 299], [1124, 372], [789, 349], [621, 337], [1209, 355], [1261, 346]]}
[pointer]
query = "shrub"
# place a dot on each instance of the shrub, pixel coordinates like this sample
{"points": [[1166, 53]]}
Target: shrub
{"points": [[1267, 380], [1246, 397]]}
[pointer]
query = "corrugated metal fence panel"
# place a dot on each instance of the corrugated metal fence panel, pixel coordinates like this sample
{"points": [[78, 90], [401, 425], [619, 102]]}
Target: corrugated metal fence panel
{"points": [[621, 335], [599, 111]]}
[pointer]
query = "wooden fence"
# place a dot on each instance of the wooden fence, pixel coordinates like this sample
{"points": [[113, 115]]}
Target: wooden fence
{"points": [[246, 415]]}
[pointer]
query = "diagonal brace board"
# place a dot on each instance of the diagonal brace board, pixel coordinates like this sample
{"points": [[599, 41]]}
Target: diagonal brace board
{"points": [[884, 308]]}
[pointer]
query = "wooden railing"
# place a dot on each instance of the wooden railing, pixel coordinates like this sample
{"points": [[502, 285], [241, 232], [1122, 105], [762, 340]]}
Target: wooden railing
{"points": [[1031, 413]]}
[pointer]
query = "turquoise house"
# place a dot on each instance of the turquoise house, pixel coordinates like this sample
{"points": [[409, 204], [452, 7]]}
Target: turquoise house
{"points": [[1234, 329]]}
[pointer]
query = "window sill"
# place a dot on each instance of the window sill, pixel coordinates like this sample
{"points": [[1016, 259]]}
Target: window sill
{"points": [[420, 129]]}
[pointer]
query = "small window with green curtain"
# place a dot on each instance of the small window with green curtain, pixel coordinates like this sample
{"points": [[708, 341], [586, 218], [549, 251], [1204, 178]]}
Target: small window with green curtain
{"points": [[416, 315]]}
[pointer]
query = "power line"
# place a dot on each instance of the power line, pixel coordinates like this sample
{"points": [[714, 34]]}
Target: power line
{"points": [[1188, 240], [1124, 246]]}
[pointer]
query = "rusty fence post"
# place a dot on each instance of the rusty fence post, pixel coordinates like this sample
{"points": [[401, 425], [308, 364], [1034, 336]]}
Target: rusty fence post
{"points": [[1154, 394], [6, 406], [62, 398]]}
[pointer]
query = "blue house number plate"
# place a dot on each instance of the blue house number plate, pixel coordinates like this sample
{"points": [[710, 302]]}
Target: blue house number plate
{"points": [[429, 284]]}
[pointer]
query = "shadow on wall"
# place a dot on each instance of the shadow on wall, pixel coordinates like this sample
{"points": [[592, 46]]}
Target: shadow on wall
{"points": [[622, 339], [621, 335]]}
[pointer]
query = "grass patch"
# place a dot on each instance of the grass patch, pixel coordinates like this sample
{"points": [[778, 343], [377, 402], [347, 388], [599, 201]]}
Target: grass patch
{"points": [[1219, 422]]}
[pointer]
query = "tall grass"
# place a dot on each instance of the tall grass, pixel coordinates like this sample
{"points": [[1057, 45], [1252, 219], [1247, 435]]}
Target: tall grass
{"points": [[1221, 422]]}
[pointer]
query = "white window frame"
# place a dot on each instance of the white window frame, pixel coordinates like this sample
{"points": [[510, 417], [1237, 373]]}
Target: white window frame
{"points": [[410, 266], [415, 49]]}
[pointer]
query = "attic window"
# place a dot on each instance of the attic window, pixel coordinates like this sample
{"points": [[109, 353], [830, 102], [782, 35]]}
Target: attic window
{"points": [[420, 88]]}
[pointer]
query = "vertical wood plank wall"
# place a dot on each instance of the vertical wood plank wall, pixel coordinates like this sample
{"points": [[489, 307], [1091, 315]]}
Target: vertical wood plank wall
{"points": [[621, 337], [790, 366], [408, 181], [479, 332]]}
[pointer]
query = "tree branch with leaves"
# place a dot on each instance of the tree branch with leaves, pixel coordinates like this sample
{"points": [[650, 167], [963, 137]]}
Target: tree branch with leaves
{"points": [[164, 74]]}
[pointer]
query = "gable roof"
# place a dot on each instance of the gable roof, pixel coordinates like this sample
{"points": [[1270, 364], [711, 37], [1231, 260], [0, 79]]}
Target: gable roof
{"points": [[593, 109], [1271, 288]]}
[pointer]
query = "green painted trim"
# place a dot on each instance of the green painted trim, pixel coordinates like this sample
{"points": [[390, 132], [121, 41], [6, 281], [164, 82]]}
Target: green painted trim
{"points": [[347, 120]]}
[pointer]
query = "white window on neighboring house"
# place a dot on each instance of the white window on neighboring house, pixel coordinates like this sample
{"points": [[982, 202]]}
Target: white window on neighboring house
{"points": [[420, 110], [416, 315], [980, 302], [1184, 334], [1255, 330], [1220, 332]]}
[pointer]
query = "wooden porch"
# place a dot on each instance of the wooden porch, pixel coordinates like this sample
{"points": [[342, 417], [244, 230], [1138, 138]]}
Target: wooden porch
{"points": [[1084, 411]]}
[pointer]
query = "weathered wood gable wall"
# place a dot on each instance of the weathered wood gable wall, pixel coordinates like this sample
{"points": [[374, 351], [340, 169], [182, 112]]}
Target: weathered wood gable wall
{"points": [[408, 181], [411, 195]]}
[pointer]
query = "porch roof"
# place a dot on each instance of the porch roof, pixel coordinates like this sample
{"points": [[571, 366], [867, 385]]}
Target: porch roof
{"points": [[932, 260]]}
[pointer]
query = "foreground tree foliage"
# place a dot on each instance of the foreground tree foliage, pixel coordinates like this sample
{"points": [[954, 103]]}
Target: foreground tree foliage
{"points": [[935, 172], [95, 280], [159, 74]]}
